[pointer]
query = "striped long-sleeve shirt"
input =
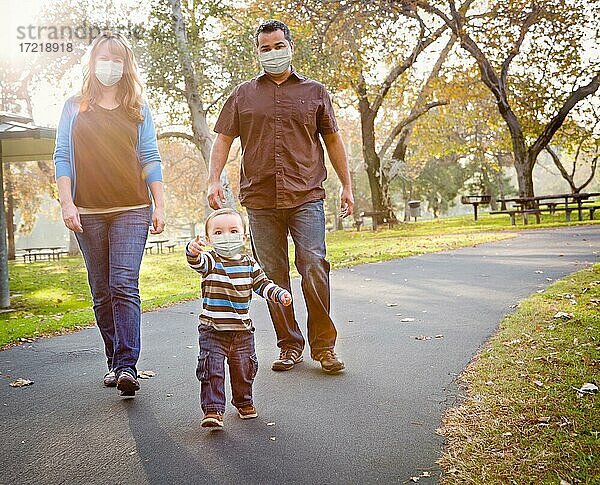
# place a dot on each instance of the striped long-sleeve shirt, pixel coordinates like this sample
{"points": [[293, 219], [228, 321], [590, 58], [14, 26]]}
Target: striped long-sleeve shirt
{"points": [[227, 286]]}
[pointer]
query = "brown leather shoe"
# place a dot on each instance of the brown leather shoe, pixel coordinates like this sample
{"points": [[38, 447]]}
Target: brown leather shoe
{"points": [[212, 420], [329, 361], [247, 412], [288, 358]]}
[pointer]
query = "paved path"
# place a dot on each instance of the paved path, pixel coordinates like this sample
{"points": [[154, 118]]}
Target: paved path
{"points": [[375, 423]]}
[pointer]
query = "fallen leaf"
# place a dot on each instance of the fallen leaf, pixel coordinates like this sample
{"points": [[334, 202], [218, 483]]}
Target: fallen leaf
{"points": [[405, 320], [423, 337], [543, 419], [391, 304], [272, 438], [507, 434], [271, 424], [563, 315], [539, 383], [20, 382], [146, 374], [587, 388]]}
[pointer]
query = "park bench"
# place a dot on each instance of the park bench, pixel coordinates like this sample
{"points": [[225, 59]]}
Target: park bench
{"points": [[148, 248], [524, 213], [171, 247], [553, 208], [388, 219]]}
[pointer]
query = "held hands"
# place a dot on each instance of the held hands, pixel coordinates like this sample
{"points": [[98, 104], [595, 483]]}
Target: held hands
{"points": [[196, 246], [70, 216], [216, 196], [285, 299], [158, 221]]}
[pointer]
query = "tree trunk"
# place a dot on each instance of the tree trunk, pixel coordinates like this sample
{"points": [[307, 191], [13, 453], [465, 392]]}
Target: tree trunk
{"points": [[10, 213], [201, 132], [379, 195], [73, 246]]}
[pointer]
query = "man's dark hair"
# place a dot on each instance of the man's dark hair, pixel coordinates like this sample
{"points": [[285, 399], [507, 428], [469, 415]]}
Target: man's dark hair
{"points": [[271, 26]]}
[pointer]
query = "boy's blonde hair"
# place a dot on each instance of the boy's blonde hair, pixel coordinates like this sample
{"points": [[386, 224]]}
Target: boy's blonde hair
{"points": [[220, 212]]}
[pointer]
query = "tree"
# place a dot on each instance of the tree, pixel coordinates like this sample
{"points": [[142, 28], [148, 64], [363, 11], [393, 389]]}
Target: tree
{"points": [[538, 39], [582, 147], [181, 55]]}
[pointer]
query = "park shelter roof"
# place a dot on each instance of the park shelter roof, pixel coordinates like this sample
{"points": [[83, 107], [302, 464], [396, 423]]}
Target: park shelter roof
{"points": [[20, 141]]}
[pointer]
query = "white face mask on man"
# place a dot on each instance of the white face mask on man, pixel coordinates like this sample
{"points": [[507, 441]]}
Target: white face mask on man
{"points": [[275, 61], [109, 73]]}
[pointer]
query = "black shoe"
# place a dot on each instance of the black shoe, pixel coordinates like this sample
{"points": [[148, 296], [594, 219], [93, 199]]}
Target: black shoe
{"points": [[329, 361], [288, 358], [110, 379], [127, 384]]}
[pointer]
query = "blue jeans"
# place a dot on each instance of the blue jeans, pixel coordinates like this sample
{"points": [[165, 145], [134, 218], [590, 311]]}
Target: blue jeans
{"points": [[269, 230], [112, 246], [238, 348]]}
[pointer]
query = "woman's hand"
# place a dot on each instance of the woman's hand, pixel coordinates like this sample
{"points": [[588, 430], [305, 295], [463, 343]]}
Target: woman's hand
{"points": [[158, 221], [70, 215], [195, 246]]}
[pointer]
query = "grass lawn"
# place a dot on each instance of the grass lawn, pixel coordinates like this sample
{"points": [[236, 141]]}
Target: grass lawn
{"points": [[53, 297], [522, 421]]}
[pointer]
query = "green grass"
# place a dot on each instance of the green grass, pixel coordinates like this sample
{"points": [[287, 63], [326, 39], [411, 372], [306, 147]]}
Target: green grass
{"points": [[522, 420], [53, 297]]}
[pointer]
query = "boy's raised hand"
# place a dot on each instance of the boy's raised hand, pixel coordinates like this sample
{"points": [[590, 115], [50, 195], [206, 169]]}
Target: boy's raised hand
{"points": [[195, 246], [285, 298]]}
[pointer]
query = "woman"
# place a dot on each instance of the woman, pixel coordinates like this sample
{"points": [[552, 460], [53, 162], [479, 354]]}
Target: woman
{"points": [[106, 165]]}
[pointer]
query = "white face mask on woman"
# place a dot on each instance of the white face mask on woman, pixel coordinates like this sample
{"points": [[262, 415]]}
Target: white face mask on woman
{"points": [[275, 61], [109, 73]]}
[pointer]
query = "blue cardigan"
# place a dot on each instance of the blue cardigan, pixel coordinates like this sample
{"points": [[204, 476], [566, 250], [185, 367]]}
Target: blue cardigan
{"points": [[147, 149]]}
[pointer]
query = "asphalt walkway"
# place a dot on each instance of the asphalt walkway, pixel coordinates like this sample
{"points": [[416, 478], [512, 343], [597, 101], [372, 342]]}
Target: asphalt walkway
{"points": [[375, 423]]}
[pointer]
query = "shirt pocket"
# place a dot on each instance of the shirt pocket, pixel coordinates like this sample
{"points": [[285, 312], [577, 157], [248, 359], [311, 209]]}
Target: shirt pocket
{"points": [[305, 111]]}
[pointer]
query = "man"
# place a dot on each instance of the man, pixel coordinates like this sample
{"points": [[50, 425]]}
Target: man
{"points": [[279, 116]]}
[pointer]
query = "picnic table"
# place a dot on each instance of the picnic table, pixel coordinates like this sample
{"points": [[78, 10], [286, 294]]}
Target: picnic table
{"points": [[42, 252], [158, 244], [550, 203]]}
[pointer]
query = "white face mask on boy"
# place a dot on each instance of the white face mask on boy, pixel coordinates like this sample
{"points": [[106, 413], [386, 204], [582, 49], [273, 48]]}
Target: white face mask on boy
{"points": [[109, 73], [228, 244]]}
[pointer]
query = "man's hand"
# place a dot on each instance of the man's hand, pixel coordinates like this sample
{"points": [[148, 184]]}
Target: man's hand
{"points": [[195, 246], [286, 298], [346, 202], [70, 215], [216, 196], [158, 221]]}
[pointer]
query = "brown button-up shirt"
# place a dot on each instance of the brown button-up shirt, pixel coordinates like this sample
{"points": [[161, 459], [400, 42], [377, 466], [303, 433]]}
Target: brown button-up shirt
{"points": [[279, 125]]}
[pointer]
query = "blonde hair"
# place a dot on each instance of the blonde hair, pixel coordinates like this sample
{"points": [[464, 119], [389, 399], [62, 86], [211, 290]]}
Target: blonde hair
{"points": [[130, 87], [220, 212]]}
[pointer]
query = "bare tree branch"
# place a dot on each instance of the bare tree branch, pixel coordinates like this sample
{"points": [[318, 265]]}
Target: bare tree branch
{"points": [[176, 134], [525, 26], [555, 123]]}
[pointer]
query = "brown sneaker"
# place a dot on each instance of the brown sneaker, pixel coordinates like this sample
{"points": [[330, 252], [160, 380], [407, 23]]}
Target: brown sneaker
{"points": [[329, 361], [247, 412], [109, 379], [288, 358], [212, 420]]}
